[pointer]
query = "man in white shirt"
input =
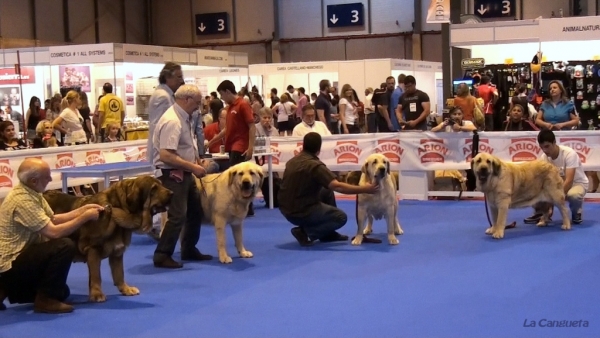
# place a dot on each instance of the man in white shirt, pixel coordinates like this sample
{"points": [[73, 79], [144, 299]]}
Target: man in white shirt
{"points": [[309, 123], [568, 162]]}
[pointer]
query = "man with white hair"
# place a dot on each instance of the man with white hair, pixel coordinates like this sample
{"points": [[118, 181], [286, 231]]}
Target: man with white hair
{"points": [[309, 123], [32, 270], [176, 159]]}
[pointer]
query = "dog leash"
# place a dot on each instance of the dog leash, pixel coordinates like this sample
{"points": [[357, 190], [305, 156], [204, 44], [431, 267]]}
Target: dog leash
{"points": [[202, 183]]}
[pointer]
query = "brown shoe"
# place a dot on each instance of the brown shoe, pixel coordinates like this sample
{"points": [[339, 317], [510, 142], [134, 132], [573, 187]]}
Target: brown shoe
{"points": [[168, 263], [44, 304]]}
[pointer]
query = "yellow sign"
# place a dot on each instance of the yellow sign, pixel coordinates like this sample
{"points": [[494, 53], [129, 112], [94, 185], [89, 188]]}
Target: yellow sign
{"points": [[508, 61], [544, 58], [596, 57]]}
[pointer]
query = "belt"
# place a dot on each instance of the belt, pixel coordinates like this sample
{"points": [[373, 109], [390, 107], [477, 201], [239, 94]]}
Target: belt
{"points": [[169, 170]]}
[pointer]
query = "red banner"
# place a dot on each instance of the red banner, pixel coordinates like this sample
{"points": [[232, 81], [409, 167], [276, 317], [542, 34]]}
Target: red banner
{"points": [[8, 76]]}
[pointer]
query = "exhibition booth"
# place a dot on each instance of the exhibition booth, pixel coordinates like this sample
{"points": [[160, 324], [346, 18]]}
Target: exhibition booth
{"points": [[359, 74], [132, 70]]}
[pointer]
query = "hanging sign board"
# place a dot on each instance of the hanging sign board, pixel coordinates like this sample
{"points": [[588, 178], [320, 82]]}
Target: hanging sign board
{"points": [[472, 63], [68, 55], [143, 54], [10, 76], [309, 67], [213, 58], [439, 11], [585, 28]]}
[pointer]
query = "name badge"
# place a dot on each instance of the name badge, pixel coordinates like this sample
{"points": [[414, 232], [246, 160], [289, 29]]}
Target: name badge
{"points": [[413, 107]]}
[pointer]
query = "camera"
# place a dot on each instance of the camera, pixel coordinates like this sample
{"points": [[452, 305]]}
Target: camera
{"points": [[451, 122]]}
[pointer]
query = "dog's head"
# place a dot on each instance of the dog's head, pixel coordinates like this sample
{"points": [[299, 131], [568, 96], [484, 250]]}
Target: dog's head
{"points": [[145, 193], [485, 165], [376, 167], [246, 178]]}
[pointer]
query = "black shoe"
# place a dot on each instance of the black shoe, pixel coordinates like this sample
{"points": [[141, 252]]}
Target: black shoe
{"points": [[168, 263], [334, 237], [301, 237], [533, 219], [195, 255], [577, 218]]}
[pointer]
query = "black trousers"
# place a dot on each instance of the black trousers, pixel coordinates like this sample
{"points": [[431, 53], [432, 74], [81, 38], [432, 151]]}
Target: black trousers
{"points": [[236, 157], [353, 128], [184, 214], [323, 219], [42, 267]]}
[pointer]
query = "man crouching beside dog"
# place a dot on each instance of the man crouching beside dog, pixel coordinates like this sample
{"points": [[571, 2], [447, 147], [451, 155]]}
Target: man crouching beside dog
{"points": [[32, 270], [306, 196]]}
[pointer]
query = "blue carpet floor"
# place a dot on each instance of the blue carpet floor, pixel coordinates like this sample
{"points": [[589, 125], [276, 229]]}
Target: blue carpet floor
{"points": [[445, 279]]}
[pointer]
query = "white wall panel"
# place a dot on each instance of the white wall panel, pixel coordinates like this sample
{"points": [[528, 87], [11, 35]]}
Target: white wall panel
{"points": [[431, 47], [211, 6], [135, 21], [300, 19], [171, 23], [110, 21], [257, 53], [15, 19], [81, 21], [253, 16], [385, 13], [50, 30], [354, 30]]}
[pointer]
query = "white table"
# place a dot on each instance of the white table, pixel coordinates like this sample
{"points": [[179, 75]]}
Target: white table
{"points": [[106, 171]]}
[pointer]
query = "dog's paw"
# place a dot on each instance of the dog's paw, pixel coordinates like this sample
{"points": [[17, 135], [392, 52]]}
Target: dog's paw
{"points": [[225, 259], [246, 254], [541, 224], [127, 290], [399, 231], [367, 231], [498, 234], [357, 240], [488, 231], [393, 240], [566, 226], [97, 296]]}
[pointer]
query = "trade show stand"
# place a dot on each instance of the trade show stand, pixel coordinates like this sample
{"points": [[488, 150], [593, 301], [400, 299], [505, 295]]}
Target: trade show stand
{"points": [[132, 70], [359, 74]]}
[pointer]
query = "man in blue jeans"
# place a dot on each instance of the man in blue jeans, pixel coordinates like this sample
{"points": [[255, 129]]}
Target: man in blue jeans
{"points": [[306, 196]]}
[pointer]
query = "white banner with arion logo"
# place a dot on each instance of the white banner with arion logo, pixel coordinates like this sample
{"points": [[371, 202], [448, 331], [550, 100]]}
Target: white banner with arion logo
{"points": [[341, 152], [67, 157], [444, 151]]}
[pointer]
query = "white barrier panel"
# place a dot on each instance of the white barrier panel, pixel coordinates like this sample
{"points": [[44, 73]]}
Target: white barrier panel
{"points": [[340, 152], [66, 157], [443, 151], [423, 151]]}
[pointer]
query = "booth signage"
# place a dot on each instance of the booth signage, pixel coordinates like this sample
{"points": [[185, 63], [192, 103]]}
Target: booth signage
{"points": [[439, 11], [214, 58], [570, 29], [402, 65], [212, 23], [491, 9], [66, 55], [345, 15], [473, 63], [8, 76], [143, 53], [302, 68]]}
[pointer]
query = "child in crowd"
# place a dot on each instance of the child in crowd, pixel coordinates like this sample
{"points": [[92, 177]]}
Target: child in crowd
{"points": [[113, 133]]}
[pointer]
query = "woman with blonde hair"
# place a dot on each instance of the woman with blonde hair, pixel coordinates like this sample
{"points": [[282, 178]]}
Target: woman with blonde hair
{"points": [[44, 136], [557, 112], [70, 121]]}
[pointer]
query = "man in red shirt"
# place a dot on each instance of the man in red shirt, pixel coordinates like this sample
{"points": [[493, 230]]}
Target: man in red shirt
{"points": [[489, 93], [239, 131]]}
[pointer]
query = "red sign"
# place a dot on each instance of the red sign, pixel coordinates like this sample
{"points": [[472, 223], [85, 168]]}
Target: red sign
{"points": [[8, 76]]}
